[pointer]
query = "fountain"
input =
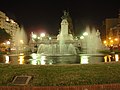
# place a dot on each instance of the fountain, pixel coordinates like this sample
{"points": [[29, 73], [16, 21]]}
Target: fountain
{"points": [[19, 48], [92, 47], [63, 49], [20, 41], [60, 48], [92, 42]]}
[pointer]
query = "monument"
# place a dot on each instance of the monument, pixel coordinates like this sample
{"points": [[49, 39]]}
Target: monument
{"points": [[63, 45], [64, 48]]}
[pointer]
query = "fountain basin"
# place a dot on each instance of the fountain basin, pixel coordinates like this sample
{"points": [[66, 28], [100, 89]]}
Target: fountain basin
{"points": [[91, 58]]}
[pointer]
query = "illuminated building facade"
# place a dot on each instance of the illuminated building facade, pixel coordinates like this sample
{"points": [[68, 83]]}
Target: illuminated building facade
{"points": [[9, 25], [112, 28]]}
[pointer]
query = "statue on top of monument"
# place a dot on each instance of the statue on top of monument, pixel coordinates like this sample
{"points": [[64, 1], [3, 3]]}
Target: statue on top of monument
{"points": [[68, 18], [66, 15]]}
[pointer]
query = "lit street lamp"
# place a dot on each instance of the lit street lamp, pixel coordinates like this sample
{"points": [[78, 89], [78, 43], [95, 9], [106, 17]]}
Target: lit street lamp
{"points": [[42, 35]]}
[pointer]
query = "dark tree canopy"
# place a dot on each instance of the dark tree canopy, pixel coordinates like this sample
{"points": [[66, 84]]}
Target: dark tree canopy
{"points": [[4, 35]]}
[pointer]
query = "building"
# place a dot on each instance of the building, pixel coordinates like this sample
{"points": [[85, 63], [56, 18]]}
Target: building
{"points": [[9, 25], [112, 31]]}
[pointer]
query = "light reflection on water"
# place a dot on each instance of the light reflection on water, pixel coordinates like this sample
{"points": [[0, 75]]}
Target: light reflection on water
{"points": [[86, 59], [21, 59], [7, 59], [37, 59]]}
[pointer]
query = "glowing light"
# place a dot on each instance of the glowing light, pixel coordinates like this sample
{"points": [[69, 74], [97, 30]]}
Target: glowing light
{"points": [[81, 37], [7, 59], [34, 62], [21, 59], [21, 41], [116, 39], [38, 37], [109, 38], [34, 36], [85, 34], [105, 58], [109, 57], [111, 41], [116, 57], [50, 38], [12, 21], [43, 60], [84, 59], [105, 42], [51, 62], [4, 43], [34, 56], [7, 19], [42, 35], [8, 42], [21, 53]]}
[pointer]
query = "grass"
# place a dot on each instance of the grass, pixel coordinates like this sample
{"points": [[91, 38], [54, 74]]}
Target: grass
{"points": [[62, 75]]}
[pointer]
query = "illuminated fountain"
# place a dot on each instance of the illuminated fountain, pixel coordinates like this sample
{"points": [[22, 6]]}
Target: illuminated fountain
{"points": [[92, 47], [61, 50], [61, 47], [58, 51], [92, 42], [20, 41]]}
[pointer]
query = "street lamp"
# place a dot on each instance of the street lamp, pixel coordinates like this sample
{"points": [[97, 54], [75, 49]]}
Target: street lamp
{"points": [[42, 35]]}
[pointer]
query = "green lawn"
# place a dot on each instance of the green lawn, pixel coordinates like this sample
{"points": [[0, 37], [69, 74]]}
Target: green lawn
{"points": [[62, 75]]}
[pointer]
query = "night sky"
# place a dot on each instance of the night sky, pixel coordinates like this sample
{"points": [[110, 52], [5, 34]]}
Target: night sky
{"points": [[45, 15]]}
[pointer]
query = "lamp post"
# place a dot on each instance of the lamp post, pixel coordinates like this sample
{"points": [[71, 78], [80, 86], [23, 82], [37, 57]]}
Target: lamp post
{"points": [[42, 35]]}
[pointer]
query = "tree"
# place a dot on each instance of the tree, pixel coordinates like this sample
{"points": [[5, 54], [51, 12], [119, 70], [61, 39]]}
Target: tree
{"points": [[4, 35]]}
